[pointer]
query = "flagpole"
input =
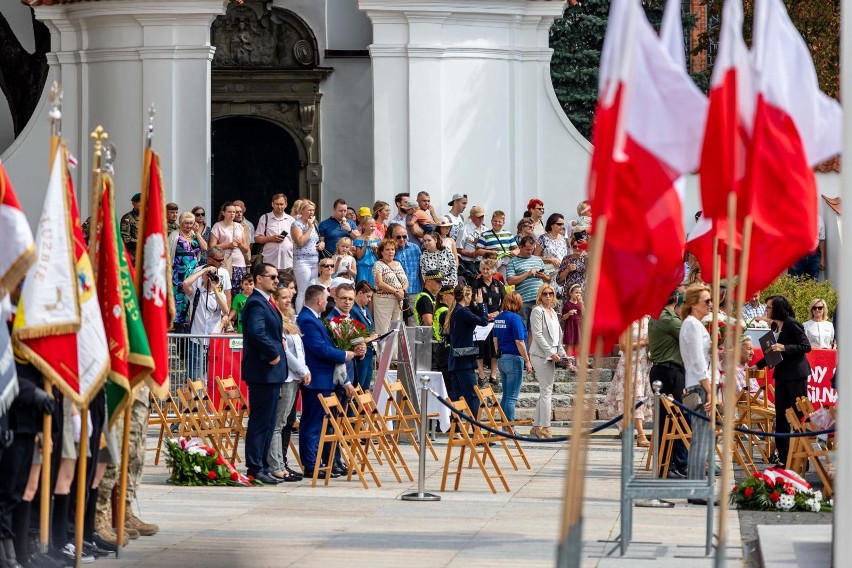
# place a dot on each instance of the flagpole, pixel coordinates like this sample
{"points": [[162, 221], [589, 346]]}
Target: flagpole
{"points": [[732, 356], [842, 547], [570, 547], [82, 485], [55, 120]]}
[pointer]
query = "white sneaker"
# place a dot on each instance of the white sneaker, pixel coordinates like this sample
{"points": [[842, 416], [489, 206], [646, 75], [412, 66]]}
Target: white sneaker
{"points": [[68, 552]]}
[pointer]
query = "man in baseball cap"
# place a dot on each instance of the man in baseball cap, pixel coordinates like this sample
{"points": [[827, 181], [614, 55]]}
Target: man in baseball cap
{"points": [[457, 206]]}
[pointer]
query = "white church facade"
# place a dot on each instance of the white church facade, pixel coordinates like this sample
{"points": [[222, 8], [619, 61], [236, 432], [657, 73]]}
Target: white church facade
{"points": [[312, 98]]}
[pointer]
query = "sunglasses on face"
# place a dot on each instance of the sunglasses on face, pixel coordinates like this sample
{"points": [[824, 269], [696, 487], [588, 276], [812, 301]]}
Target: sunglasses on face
{"points": [[216, 259], [326, 266], [547, 293], [708, 301], [200, 214], [560, 224], [819, 307], [401, 237], [271, 276]]}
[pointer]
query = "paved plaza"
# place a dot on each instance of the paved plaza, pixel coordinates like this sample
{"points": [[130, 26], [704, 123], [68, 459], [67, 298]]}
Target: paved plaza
{"points": [[293, 524]]}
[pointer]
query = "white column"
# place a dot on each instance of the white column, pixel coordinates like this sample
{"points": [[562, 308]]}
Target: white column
{"points": [[463, 104], [114, 59]]}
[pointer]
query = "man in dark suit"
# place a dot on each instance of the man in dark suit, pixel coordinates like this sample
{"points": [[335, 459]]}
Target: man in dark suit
{"points": [[321, 357], [264, 368]]}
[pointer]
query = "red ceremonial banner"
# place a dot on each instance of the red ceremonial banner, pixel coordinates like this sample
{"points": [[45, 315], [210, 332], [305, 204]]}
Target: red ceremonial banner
{"points": [[823, 364]]}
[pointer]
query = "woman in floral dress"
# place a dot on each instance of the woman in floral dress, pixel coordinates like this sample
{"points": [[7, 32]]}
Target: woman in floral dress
{"points": [[641, 386], [186, 246]]}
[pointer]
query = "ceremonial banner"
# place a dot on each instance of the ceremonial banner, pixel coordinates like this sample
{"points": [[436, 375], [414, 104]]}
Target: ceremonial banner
{"points": [[58, 327], [649, 123], [152, 277], [8, 378], [130, 356], [18, 250], [823, 364]]}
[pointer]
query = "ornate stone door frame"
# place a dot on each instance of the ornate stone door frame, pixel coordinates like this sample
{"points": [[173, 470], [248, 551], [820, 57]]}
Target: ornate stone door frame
{"points": [[288, 98]]}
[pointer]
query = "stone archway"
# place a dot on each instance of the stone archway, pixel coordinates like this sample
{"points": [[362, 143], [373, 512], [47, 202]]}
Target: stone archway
{"points": [[266, 66]]}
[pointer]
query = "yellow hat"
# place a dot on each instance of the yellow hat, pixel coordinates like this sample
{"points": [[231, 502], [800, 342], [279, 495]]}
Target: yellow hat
{"points": [[365, 212]]}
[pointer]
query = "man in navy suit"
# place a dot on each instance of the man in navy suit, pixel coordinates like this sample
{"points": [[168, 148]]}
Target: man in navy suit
{"points": [[321, 357], [264, 368]]}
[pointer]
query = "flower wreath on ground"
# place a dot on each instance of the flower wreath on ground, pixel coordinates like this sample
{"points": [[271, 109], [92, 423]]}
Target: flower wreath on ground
{"points": [[192, 463], [778, 489]]}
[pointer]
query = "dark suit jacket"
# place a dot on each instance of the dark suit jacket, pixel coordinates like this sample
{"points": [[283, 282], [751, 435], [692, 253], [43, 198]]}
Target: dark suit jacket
{"points": [[366, 317], [321, 356], [795, 366], [262, 334], [464, 321]]}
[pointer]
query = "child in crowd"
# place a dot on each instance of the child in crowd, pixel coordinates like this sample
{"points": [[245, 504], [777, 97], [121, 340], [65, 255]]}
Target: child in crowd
{"points": [[239, 302], [583, 224], [344, 262], [572, 312]]}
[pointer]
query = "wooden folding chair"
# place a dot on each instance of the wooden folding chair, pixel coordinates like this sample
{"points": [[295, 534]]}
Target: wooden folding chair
{"points": [[759, 415], [199, 420], [231, 412], [675, 427], [342, 436], [807, 449], [489, 413], [471, 438], [379, 440], [404, 415], [740, 453], [166, 414]]}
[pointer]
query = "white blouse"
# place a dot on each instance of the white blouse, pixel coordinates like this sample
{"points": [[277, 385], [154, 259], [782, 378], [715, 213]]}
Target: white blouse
{"points": [[295, 357], [820, 333], [695, 350]]}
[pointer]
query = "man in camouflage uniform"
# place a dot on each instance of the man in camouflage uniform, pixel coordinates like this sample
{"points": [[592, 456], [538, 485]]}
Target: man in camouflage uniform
{"points": [[133, 526], [129, 226], [172, 211]]}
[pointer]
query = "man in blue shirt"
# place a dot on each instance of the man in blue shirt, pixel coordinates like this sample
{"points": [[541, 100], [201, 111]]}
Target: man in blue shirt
{"points": [[408, 255], [337, 226]]}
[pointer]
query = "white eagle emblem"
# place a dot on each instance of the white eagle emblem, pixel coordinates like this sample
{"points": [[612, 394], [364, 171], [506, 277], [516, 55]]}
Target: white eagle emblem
{"points": [[154, 270]]}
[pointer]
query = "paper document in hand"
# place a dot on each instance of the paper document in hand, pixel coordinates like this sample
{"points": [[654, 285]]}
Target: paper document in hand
{"points": [[480, 333]]}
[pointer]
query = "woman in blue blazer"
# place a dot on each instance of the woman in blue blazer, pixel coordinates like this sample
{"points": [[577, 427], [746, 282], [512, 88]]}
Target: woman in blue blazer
{"points": [[460, 325]]}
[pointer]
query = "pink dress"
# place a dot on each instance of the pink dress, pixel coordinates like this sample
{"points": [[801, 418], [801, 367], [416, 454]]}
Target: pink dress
{"points": [[572, 324]]}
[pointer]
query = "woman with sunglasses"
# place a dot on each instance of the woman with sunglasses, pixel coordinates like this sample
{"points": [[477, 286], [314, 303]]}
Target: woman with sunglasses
{"points": [[546, 349], [694, 344], [201, 229], [552, 246], [819, 330], [791, 374], [535, 211]]}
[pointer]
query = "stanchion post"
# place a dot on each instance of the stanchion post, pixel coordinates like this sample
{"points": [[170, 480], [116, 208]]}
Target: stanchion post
{"points": [[421, 494], [655, 453]]}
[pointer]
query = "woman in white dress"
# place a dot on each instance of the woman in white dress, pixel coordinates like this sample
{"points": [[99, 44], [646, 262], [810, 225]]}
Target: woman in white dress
{"points": [[640, 379], [819, 330]]}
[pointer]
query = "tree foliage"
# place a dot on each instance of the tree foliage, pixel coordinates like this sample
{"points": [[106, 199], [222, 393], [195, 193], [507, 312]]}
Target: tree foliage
{"points": [[817, 20]]}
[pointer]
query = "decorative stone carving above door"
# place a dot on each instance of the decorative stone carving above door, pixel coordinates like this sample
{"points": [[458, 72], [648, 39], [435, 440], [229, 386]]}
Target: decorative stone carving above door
{"points": [[266, 65]]}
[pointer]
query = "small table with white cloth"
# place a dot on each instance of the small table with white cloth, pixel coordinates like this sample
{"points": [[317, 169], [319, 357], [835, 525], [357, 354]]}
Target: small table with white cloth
{"points": [[436, 383]]}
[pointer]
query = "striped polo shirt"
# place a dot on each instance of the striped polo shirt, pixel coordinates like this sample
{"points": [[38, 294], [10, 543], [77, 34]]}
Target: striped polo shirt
{"points": [[528, 288]]}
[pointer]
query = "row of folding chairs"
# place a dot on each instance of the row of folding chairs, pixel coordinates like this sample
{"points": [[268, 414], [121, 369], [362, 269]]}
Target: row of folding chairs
{"points": [[190, 413]]}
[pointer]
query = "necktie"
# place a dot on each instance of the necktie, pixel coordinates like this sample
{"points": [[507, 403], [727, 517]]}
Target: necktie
{"points": [[272, 303]]}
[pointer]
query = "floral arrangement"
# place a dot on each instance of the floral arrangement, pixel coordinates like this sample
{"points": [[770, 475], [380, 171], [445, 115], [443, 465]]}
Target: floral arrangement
{"points": [[192, 463], [755, 324], [778, 489], [346, 331]]}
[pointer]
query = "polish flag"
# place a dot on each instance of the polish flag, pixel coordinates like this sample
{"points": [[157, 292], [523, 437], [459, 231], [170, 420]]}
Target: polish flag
{"points": [[726, 141], [18, 251], [796, 127], [648, 129]]}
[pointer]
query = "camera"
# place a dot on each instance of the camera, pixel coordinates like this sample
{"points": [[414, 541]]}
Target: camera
{"points": [[213, 277]]}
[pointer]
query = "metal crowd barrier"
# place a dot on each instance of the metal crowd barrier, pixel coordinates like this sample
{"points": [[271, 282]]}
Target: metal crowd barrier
{"points": [[203, 357]]}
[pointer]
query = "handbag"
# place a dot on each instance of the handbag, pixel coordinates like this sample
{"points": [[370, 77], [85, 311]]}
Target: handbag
{"points": [[692, 401], [256, 247], [465, 351]]}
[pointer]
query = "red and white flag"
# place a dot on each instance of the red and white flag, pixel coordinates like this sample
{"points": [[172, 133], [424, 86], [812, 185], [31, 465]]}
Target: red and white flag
{"points": [[648, 129], [796, 127], [727, 141], [18, 250], [58, 325]]}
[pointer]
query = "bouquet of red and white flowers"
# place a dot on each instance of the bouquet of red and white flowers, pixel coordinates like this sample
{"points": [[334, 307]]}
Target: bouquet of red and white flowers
{"points": [[346, 332], [778, 489]]}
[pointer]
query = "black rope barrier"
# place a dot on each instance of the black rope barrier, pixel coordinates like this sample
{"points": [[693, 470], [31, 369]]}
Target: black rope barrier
{"points": [[755, 432], [497, 432]]}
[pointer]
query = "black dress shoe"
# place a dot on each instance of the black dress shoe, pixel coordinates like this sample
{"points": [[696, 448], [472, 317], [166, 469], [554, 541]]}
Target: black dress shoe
{"points": [[701, 502], [309, 473], [339, 469], [101, 543], [93, 549], [293, 472], [264, 477]]}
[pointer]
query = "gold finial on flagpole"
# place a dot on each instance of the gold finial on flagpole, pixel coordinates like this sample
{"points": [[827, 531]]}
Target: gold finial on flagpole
{"points": [[99, 135], [150, 135], [55, 113]]}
